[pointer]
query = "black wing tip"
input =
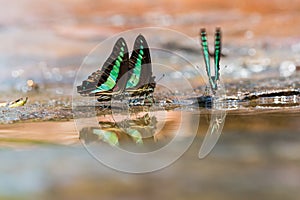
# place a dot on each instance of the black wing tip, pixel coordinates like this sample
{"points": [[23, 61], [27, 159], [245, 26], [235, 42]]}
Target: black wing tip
{"points": [[121, 41], [140, 37], [218, 31], [202, 31]]}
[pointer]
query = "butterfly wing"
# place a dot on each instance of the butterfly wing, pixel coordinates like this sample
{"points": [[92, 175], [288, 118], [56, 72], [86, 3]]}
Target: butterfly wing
{"points": [[205, 50], [206, 56], [217, 56], [140, 67], [106, 78]]}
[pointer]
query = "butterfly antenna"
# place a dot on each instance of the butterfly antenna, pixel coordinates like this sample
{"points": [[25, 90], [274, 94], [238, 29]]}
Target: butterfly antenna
{"points": [[162, 76]]}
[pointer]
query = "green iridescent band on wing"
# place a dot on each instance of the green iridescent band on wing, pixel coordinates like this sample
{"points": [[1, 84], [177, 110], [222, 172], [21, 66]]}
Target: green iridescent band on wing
{"points": [[217, 55], [135, 77], [111, 80]]}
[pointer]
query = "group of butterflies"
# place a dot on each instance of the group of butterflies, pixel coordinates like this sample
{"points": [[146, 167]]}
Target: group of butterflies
{"points": [[132, 76]]}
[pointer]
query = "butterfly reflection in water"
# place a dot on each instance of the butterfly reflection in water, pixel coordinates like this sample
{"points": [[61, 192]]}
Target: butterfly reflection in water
{"points": [[112, 133], [123, 76]]}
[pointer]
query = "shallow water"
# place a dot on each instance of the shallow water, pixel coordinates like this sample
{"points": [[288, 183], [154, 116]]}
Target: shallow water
{"points": [[262, 161]]}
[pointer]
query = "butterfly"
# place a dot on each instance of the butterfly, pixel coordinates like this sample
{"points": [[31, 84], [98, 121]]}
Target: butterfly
{"points": [[121, 74], [213, 80]]}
